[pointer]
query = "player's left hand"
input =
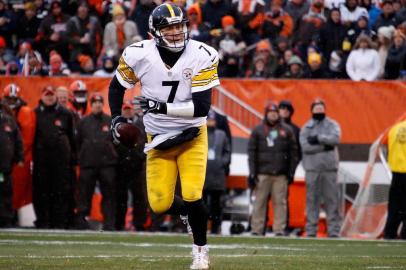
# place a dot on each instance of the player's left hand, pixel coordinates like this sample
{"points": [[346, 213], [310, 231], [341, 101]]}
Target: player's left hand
{"points": [[150, 106]]}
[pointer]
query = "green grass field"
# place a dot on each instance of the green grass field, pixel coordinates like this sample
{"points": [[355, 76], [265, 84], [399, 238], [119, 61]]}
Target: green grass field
{"points": [[42, 250]]}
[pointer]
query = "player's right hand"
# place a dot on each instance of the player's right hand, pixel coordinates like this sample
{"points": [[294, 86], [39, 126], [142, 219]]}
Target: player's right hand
{"points": [[114, 128]]}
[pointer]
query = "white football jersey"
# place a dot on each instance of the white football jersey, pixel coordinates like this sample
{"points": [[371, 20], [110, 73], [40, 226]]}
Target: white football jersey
{"points": [[195, 71]]}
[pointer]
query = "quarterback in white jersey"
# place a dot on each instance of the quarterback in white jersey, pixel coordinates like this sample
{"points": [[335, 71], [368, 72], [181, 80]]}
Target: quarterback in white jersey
{"points": [[176, 76], [194, 71]]}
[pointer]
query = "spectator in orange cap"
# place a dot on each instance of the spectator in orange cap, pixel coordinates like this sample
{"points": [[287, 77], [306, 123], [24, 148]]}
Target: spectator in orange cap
{"points": [[86, 64], [197, 30], [277, 22], [231, 47], [56, 65], [265, 61]]}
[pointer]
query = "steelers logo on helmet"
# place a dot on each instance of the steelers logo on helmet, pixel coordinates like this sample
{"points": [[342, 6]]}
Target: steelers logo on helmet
{"points": [[167, 24]]}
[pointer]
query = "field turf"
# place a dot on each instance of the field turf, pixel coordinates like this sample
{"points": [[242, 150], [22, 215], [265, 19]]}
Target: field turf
{"points": [[43, 250]]}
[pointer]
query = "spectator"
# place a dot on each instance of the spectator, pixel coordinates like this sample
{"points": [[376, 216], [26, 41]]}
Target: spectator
{"points": [[249, 16], [387, 17], [56, 65], [97, 161], [316, 69], [277, 22], [396, 59], [309, 27], [350, 12], [397, 192], [25, 117], [296, 10], [131, 175], [213, 11], [363, 62], [52, 32], [333, 4], [265, 61], [373, 11], [119, 33], [8, 23], [295, 68], [62, 96], [141, 16], [86, 65], [385, 34], [331, 34], [41, 9], [84, 35], [286, 111], [401, 14], [54, 150], [230, 46], [28, 24], [319, 138], [33, 65], [360, 27], [283, 60], [272, 158], [197, 29], [107, 69], [11, 152], [218, 159], [336, 64]]}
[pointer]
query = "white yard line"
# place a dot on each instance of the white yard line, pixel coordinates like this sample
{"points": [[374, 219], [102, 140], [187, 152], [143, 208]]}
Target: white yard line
{"points": [[126, 244]]}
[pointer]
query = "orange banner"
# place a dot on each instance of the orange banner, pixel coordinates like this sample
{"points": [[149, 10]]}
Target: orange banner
{"points": [[363, 109]]}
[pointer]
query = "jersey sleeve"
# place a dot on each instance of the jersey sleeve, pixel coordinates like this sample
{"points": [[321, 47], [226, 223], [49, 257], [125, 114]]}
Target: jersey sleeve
{"points": [[125, 72], [207, 76]]}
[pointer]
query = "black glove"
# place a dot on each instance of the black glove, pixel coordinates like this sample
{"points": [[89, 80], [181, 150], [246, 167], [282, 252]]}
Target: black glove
{"points": [[114, 125], [313, 140], [252, 181], [186, 135], [150, 106], [328, 147]]}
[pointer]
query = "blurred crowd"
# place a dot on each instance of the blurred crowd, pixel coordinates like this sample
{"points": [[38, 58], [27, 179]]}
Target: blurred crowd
{"points": [[314, 39]]}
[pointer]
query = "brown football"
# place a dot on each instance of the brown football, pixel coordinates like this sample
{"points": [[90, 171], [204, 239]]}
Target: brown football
{"points": [[130, 134]]}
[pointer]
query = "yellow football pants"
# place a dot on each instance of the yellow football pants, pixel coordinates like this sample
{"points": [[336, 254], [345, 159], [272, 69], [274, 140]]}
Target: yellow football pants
{"points": [[189, 160]]}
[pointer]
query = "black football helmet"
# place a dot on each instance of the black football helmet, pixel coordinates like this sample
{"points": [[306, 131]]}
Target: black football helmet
{"points": [[166, 15]]}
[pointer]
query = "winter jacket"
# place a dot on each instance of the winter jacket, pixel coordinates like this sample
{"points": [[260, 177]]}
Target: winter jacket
{"points": [[395, 62], [218, 159], [110, 36], [54, 135], [11, 150], [95, 144], [272, 150], [363, 64], [322, 156]]}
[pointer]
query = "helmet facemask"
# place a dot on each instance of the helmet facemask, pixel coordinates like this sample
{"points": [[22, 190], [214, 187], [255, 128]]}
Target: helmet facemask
{"points": [[169, 41]]}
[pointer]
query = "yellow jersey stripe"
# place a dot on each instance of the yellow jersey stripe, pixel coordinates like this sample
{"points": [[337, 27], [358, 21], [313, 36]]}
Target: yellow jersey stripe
{"points": [[204, 83], [171, 11], [206, 75], [126, 72]]}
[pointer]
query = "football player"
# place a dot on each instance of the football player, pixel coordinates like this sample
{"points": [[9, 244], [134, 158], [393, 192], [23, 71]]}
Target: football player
{"points": [[176, 76]]}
